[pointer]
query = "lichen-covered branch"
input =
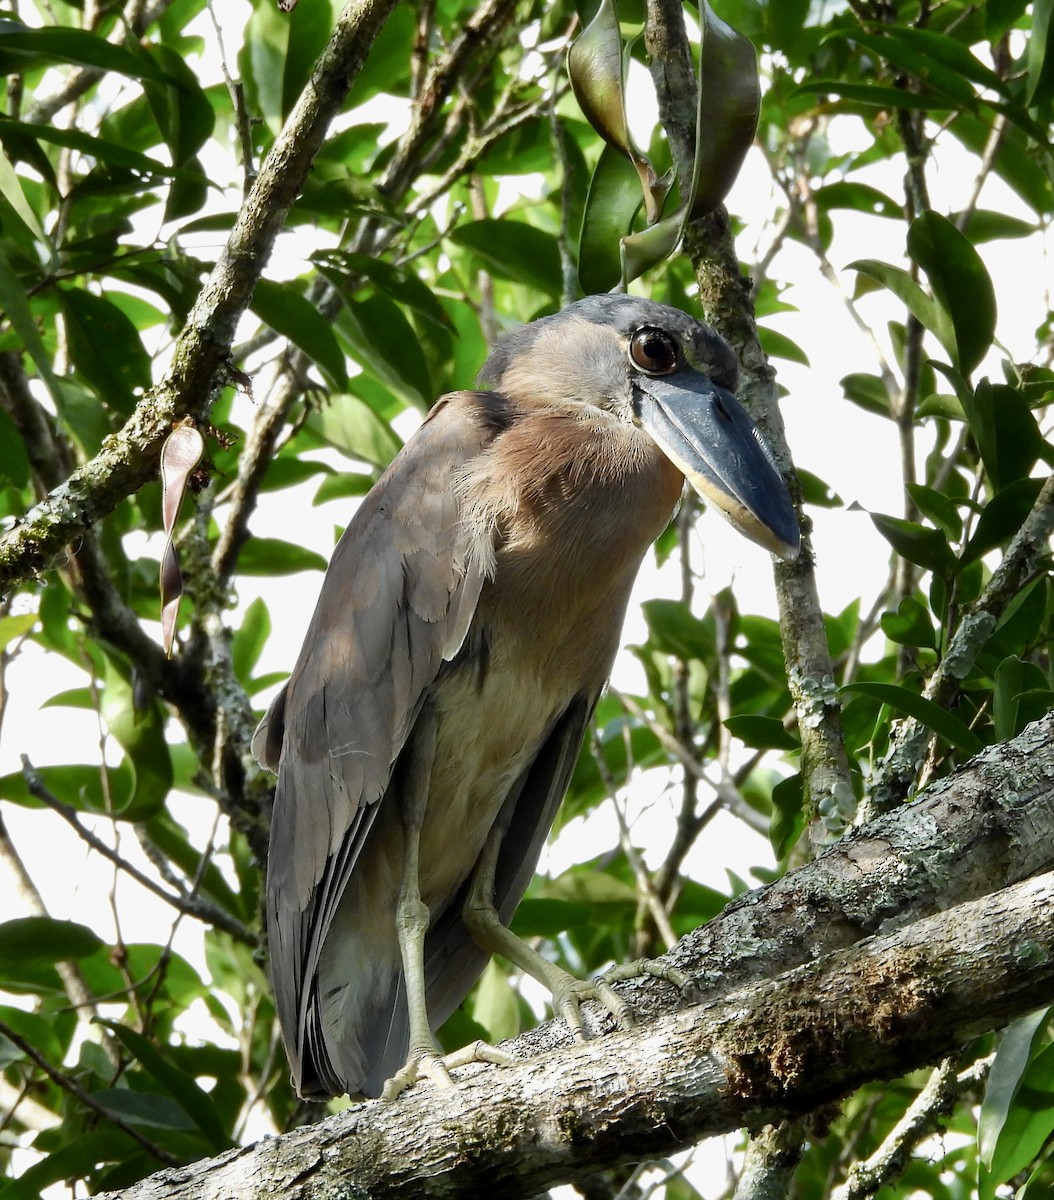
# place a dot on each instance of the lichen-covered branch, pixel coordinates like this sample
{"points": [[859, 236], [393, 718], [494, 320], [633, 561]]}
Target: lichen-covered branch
{"points": [[128, 458], [724, 293], [774, 1049], [922, 1118], [893, 780]]}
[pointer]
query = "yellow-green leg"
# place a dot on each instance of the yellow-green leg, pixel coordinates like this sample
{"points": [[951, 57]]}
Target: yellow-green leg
{"points": [[412, 918], [484, 924]]}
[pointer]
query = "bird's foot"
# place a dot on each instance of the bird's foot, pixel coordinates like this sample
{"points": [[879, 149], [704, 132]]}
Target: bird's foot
{"points": [[569, 992], [429, 1064], [654, 967]]}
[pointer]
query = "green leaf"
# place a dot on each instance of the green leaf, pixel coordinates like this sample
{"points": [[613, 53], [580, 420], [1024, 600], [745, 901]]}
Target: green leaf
{"points": [[816, 491], [1013, 680], [939, 720], [784, 22], [674, 629], [939, 508], [548, 918], [75, 784], [15, 627], [12, 191], [289, 313], [1000, 15], [29, 939], [139, 729], [36, 1030], [171, 839], [875, 96], [1040, 56], [105, 348], [1001, 518], [56, 43], [186, 120], [341, 485], [387, 347], [514, 250], [271, 556], [387, 67], [103, 151], [861, 197], [1015, 160], [16, 308], [763, 733], [983, 225], [639, 252], [75, 1159], [193, 1100], [1005, 430], [352, 427], [729, 106], [398, 283], [286, 471], [960, 283], [778, 345], [278, 53], [594, 68], [939, 404], [497, 1005], [143, 1109], [612, 203], [250, 638], [595, 71], [583, 885], [866, 391], [924, 547], [923, 307], [1016, 1115], [910, 625], [788, 817], [934, 58]]}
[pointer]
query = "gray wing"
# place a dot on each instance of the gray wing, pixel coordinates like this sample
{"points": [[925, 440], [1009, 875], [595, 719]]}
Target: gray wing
{"points": [[453, 962], [396, 603]]}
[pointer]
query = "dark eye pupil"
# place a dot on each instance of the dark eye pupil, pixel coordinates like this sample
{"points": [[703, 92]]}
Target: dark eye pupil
{"points": [[655, 350]]}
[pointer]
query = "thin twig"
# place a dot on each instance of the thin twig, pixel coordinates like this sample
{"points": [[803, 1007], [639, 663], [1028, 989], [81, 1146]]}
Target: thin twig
{"points": [[241, 114], [70, 1085], [922, 1117], [645, 885], [193, 906]]}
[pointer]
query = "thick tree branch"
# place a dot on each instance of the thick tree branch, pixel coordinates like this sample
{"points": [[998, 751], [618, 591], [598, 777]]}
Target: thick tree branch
{"points": [[988, 826], [775, 1049], [810, 1003]]}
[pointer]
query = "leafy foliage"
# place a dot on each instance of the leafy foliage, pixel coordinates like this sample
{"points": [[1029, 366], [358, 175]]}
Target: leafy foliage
{"points": [[460, 192]]}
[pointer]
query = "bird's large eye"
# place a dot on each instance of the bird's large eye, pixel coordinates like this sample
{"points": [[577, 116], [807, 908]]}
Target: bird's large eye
{"points": [[653, 351]]}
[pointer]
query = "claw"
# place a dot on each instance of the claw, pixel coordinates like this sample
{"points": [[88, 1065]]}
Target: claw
{"points": [[648, 966], [429, 1064], [569, 993]]}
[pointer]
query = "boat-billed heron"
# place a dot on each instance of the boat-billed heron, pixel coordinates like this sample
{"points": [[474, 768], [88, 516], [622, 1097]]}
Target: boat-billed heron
{"points": [[465, 629]]}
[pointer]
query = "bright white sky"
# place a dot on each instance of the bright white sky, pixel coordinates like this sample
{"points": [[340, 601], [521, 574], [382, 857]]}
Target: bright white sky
{"points": [[855, 453]]}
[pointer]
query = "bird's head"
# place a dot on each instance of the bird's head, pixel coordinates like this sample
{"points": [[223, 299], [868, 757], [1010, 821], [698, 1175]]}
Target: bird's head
{"points": [[672, 376]]}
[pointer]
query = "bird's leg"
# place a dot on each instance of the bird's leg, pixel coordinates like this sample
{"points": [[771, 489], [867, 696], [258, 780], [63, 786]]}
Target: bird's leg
{"points": [[412, 919], [484, 924], [412, 916]]}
